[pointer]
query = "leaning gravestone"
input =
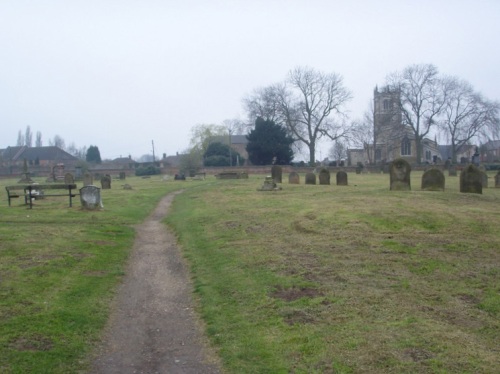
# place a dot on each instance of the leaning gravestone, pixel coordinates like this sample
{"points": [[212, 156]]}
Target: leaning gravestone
{"points": [[106, 182], [400, 171], [484, 179], [452, 171], [90, 197], [69, 179], [341, 178], [497, 180], [324, 176], [471, 180], [310, 178], [433, 180], [88, 180], [294, 178], [276, 173]]}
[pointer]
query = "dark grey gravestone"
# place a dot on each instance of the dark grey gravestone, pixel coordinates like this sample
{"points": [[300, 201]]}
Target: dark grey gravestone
{"points": [[277, 173], [497, 180], [310, 178], [88, 180], [324, 176], [106, 182], [433, 180], [341, 178], [400, 171], [471, 180], [90, 197], [452, 171]]}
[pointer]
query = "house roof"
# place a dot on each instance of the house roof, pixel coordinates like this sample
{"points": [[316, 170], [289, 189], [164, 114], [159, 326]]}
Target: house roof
{"points": [[235, 139], [51, 153], [445, 150], [492, 144]]}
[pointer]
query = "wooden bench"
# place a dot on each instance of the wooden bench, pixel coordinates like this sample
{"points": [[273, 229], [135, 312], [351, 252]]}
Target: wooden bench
{"points": [[37, 191]]}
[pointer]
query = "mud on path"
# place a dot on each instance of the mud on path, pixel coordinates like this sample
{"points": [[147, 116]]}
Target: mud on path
{"points": [[153, 328]]}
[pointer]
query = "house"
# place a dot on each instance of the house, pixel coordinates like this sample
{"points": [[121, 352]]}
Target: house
{"points": [[237, 142], [490, 151], [40, 156], [464, 154]]}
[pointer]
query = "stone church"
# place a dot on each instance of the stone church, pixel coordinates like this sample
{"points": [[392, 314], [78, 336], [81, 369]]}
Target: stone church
{"points": [[392, 139]]}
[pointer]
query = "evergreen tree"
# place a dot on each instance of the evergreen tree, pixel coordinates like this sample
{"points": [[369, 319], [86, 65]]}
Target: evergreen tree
{"points": [[93, 154], [219, 154], [269, 142]]}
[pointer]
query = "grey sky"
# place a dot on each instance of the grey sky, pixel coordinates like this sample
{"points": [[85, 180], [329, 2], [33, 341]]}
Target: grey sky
{"points": [[118, 74]]}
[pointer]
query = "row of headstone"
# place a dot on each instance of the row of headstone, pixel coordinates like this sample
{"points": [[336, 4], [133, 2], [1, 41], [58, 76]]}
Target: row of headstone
{"points": [[472, 179], [323, 177]]}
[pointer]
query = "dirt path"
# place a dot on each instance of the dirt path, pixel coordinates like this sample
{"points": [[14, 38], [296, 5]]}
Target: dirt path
{"points": [[153, 328]]}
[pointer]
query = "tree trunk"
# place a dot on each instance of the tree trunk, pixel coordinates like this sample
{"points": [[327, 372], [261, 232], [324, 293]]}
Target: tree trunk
{"points": [[312, 154]]}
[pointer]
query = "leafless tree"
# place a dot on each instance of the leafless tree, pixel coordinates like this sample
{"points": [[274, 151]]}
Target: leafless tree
{"points": [[467, 115], [28, 137], [338, 151], [20, 139], [422, 99], [38, 141], [306, 103], [57, 142], [362, 134]]}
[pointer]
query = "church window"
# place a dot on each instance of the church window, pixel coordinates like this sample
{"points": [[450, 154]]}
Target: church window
{"points": [[387, 104], [406, 147], [378, 154]]}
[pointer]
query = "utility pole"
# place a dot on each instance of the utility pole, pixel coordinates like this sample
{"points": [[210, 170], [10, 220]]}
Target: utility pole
{"points": [[153, 143]]}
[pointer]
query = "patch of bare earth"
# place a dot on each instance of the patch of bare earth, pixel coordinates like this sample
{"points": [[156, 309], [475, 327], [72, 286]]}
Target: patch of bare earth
{"points": [[153, 328]]}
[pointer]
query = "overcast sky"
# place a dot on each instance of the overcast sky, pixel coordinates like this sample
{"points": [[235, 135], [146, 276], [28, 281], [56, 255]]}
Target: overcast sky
{"points": [[119, 74]]}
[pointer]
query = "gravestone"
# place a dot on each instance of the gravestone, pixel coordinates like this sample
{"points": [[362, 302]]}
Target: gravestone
{"points": [[324, 176], [294, 178], [433, 180], [106, 182], [69, 179], [90, 197], [471, 180], [269, 185], [400, 171], [276, 173], [341, 178], [484, 179], [179, 177], [452, 171], [88, 180], [497, 180], [310, 178], [123, 175]]}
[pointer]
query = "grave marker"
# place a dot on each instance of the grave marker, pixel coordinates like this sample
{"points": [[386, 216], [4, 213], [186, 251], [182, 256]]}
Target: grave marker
{"points": [[471, 180], [400, 171], [433, 180], [341, 178]]}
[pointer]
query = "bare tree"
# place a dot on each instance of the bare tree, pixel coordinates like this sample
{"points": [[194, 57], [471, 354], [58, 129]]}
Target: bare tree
{"points": [[306, 104], [20, 139], [28, 137], [38, 141], [57, 142], [422, 99], [338, 151], [362, 134], [467, 115]]}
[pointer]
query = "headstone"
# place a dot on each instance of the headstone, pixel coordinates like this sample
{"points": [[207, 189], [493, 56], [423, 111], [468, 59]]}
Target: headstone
{"points": [[269, 185], [69, 179], [88, 180], [179, 177], [324, 176], [447, 164], [341, 178], [310, 178], [123, 175], [294, 178], [90, 197], [106, 182], [471, 180], [433, 180], [484, 179], [452, 171], [400, 171], [276, 173], [497, 180]]}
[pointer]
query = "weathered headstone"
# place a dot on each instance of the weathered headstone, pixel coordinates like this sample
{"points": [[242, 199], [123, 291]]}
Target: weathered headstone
{"points": [[341, 178], [497, 180], [106, 182], [433, 180], [484, 179], [269, 185], [452, 171], [179, 177], [324, 176], [276, 173], [88, 180], [123, 175], [471, 180], [90, 197], [294, 178], [69, 179], [310, 178], [400, 171]]}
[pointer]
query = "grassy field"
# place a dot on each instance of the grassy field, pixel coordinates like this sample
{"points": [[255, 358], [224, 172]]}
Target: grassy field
{"points": [[310, 279]]}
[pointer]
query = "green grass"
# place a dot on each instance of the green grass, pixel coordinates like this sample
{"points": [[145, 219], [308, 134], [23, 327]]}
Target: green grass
{"points": [[310, 279], [59, 267], [345, 279]]}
